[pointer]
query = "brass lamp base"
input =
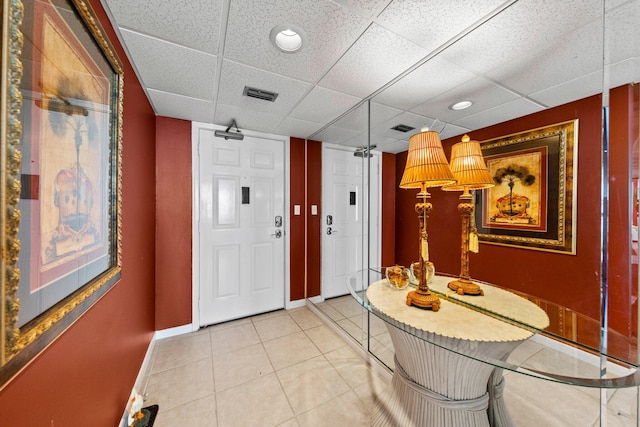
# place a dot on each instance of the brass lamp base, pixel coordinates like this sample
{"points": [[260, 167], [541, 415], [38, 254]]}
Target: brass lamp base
{"points": [[463, 286], [423, 299]]}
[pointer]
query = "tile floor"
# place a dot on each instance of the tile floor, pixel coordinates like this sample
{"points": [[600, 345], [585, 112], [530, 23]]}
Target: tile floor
{"points": [[289, 368], [532, 402], [285, 368]]}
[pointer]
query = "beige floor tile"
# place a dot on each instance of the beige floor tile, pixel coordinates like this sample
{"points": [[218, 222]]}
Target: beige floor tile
{"points": [[290, 423], [330, 312], [233, 338], [268, 315], [305, 318], [240, 366], [289, 350], [348, 306], [535, 402], [353, 368], [261, 402], [180, 351], [352, 329], [276, 327], [373, 390], [311, 383], [622, 407], [324, 338], [344, 410], [197, 413], [177, 386]]}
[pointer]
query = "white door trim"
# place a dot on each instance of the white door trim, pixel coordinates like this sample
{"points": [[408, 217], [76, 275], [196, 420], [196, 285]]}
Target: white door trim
{"points": [[195, 216]]}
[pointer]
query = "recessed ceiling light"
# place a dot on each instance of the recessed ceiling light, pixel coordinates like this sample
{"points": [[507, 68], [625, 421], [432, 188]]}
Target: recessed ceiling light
{"points": [[288, 38], [461, 105]]}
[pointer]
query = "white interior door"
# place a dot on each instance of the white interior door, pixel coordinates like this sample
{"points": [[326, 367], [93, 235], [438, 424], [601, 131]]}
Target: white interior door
{"points": [[344, 222], [241, 229]]}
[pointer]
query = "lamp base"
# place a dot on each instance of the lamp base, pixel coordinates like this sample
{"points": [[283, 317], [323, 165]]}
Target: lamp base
{"points": [[465, 287], [423, 299]]}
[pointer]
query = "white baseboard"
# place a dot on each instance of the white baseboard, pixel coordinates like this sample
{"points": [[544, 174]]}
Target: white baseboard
{"points": [[290, 305], [172, 332], [316, 300]]}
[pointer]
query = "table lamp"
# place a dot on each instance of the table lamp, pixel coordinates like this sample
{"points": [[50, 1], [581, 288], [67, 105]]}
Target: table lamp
{"points": [[426, 167], [470, 170]]}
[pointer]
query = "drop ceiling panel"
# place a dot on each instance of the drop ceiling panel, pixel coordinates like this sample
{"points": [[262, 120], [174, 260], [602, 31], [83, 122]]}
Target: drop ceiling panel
{"points": [[364, 7], [390, 145], [323, 105], [236, 76], [414, 120], [484, 93], [336, 135], [562, 61], [432, 23], [579, 88], [247, 119], [374, 60], [169, 68], [190, 23], [507, 111], [429, 80], [181, 107], [330, 29], [526, 26], [297, 128]]}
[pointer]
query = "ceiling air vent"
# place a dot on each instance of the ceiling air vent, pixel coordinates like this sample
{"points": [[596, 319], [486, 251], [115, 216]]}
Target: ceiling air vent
{"points": [[265, 95], [403, 128]]}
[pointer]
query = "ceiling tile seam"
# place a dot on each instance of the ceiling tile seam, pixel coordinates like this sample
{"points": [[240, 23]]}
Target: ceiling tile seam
{"points": [[160, 39], [222, 40], [116, 30], [180, 95], [427, 58]]}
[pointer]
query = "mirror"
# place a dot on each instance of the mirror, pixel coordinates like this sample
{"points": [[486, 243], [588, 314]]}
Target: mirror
{"points": [[525, 68]]}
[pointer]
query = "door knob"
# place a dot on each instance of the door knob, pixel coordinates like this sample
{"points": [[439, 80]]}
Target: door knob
{"points": [[277, 234], [330, 231]]}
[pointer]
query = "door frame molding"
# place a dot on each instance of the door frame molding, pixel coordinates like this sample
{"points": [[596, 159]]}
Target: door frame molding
{"points": [[378, 154], [195, 215]]}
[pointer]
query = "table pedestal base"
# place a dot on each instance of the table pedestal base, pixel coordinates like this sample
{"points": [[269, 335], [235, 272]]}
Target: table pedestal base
{"points": [[409, 404], [433, 386]]}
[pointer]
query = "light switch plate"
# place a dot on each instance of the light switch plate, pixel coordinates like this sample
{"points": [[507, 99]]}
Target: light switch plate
{"points": [[296, 209], [314, 209]]}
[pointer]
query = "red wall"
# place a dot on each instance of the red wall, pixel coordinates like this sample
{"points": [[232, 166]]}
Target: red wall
{"points": [[389, 186], [86, 375], [314, 222], [297, 226], [173, 223]]}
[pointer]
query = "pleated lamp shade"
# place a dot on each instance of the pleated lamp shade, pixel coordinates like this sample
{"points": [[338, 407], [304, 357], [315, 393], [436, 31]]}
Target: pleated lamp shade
{"points": [[427, 164], [468, 167]]}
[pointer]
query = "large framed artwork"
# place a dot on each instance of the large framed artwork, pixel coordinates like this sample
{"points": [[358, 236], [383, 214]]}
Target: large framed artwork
{"points": [[61, 169], [533, 202]]}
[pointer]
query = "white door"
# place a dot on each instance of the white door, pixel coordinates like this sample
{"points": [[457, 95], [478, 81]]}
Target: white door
{"points": [[344, 222], [241, 230]]}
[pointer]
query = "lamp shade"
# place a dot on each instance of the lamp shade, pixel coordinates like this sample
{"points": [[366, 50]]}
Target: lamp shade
{"points": [[427, 164], [468, 167]]}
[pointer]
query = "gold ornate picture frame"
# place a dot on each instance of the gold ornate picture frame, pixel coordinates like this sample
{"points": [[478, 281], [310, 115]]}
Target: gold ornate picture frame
{"points": [[61, 139], [533, 202]]}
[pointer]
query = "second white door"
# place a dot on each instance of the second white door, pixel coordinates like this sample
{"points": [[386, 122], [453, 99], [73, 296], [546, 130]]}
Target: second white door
{"points": [[345, 224]]}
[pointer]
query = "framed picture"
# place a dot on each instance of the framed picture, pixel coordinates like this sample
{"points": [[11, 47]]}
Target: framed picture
{"points": [[533, 202], [61, 145]]}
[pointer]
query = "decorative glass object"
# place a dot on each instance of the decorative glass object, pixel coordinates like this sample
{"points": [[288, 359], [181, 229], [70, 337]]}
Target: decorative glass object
{"points": [[415, 271], [397, 277]]}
